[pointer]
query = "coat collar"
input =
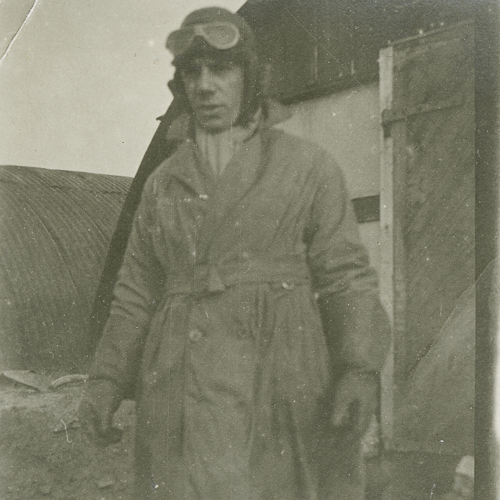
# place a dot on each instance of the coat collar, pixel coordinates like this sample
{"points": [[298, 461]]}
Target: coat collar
{"points": [[181, 128], [193, 171], [222, 195]]}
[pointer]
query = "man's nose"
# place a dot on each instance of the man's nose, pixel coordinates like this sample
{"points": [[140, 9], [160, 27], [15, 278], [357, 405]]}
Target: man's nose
{"points": [[205, 80]]}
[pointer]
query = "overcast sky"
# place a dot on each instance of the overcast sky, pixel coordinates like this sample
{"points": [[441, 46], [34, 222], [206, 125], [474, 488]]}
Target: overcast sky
{"points": [[82, 82]]}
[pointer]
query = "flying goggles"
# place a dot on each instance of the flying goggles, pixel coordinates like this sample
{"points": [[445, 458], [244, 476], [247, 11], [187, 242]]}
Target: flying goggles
{"points": [[221, 35]]}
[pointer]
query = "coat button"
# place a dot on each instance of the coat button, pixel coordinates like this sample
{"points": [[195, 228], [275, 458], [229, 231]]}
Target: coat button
{"points": [[195, 335]]}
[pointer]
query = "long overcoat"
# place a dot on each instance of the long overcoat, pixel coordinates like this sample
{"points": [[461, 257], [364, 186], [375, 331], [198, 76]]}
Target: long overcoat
{"points": [[238, 297]]}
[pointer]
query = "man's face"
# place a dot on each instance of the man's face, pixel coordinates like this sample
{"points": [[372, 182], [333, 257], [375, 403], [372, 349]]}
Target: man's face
{"points": [[214, 89]]}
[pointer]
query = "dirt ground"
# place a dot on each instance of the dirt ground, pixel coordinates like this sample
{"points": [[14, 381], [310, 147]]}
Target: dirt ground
{"points": [[44, 454]]}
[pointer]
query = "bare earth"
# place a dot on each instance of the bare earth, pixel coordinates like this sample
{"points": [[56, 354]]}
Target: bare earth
{"points": [[44, 454]]}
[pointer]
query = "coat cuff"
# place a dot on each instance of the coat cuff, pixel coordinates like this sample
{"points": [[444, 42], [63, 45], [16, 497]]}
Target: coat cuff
{"points": [[357, 329]]}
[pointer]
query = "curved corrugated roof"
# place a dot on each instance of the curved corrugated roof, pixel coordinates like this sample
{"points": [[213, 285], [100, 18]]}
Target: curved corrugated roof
{"points": [[55, 228]]}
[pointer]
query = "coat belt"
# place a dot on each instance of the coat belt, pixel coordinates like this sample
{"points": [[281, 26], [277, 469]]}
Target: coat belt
{"points": [[287, 271]]}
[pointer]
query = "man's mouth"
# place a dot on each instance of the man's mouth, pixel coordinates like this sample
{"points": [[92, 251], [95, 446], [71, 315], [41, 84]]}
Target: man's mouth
{"points": [[208, 108]]}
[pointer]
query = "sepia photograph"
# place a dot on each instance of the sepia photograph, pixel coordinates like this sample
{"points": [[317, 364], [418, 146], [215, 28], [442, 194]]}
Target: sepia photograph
{"points": [[247, 250]]}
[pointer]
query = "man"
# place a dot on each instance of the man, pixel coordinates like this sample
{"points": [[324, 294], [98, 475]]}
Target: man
{"points": [[244, 294]]}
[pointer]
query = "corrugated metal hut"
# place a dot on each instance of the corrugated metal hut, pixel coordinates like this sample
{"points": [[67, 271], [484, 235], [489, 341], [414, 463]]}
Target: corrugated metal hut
{"points": [[55, 229]]}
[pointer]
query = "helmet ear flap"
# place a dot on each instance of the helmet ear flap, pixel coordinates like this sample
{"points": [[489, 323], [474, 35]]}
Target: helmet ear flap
{"points": [[253, 89], [176, 86]]}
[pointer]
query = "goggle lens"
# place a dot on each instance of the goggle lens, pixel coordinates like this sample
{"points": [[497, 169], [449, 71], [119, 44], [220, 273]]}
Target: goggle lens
{"points": [[220, 35]]}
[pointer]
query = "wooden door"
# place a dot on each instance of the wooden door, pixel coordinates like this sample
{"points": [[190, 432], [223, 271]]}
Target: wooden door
{"points": [[427, 200]]}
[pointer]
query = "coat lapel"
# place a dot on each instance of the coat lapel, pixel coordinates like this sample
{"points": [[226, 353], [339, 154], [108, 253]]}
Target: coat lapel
{"points": [[223, 195], [190, 170], [231, 187]]}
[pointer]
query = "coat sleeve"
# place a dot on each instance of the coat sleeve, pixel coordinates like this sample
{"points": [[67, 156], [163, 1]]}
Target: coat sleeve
{"points": [[135, 298], [355, 324]]}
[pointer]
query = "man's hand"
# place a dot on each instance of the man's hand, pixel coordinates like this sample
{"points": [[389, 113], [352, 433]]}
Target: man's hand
{"points": [[96, 410], [356, 401]]}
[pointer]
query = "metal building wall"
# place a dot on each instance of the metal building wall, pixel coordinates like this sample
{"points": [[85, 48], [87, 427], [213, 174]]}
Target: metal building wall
{"points": [[347, 124], [55, 228]]}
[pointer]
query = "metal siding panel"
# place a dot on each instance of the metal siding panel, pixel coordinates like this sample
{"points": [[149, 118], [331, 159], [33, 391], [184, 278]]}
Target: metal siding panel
{"points": [[55, 229]]}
